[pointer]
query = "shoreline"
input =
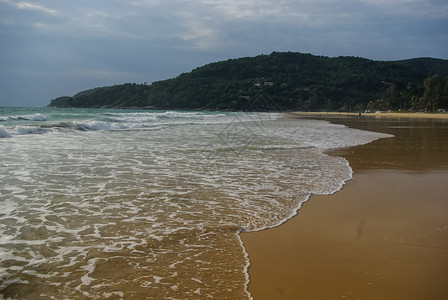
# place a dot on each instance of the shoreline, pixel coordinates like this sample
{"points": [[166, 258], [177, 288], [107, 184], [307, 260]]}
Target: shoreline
{"points": [[416, 115], [336, 243]]}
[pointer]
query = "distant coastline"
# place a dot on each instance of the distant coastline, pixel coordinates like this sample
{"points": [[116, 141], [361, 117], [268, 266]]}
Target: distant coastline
{"points": [[284, 81]]}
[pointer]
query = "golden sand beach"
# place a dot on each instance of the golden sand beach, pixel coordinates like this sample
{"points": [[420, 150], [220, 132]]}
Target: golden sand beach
{"points": [[383, 236]]}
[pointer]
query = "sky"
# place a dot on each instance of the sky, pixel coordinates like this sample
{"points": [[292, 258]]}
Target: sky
{"points": [[52, 48]]}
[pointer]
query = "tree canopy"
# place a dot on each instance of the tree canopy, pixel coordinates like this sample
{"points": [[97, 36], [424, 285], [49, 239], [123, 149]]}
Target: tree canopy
{"points": [[293, 81]]}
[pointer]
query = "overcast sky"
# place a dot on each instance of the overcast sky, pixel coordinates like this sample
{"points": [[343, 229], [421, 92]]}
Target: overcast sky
{"points": [[51, 48]]}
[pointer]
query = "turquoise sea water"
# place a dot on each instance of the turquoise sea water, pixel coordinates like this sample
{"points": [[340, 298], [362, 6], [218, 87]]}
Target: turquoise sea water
{"points": [[102, 204]]}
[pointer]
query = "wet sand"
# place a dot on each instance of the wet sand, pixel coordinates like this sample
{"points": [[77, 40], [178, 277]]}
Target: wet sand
{"points": [[419, 115], [383, 236]]}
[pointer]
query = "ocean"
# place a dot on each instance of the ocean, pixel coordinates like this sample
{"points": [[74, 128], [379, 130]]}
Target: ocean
{"points": [[134, 204]]}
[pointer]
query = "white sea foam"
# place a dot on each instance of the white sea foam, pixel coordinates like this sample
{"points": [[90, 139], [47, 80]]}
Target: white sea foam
{"points": [[95, 125], [7, 206], [36, 117], [114, 121], [32, 117], [121, 207], [135, 118], [175, 114], [4, 133], [23, 130]]}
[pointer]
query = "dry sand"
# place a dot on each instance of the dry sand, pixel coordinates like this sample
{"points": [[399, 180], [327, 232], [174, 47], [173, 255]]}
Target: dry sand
{"points": [[383, 236]]}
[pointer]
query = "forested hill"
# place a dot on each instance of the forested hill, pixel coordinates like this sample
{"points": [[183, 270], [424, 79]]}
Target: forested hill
{"points": [[287, 81]]}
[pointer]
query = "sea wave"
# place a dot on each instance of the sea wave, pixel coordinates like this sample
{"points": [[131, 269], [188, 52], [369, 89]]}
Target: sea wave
{"points": [[132, 117], [175, 114], [95, 125], [160, 116], [32, 117], [130, 211], [89, 120], [4, 133], [24, 130]]}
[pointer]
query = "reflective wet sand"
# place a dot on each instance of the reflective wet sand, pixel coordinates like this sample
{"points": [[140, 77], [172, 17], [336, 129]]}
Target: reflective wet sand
{"points": [[383, 236]]}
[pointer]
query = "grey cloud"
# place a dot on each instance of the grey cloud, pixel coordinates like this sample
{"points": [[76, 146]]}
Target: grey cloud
{"points": [[68, 46]]}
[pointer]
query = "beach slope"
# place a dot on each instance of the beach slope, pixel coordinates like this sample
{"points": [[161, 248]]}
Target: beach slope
{"points": [[383, 236]]}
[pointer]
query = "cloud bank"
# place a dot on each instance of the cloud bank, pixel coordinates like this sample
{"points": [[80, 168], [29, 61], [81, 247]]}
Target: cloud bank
{"points": [[53, 47]]}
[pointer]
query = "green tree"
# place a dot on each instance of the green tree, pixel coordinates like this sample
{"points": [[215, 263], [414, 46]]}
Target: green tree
{"points": [[431, 95], [444, 96]]}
